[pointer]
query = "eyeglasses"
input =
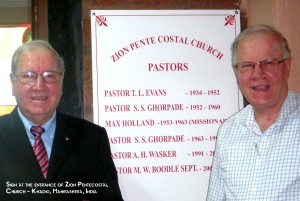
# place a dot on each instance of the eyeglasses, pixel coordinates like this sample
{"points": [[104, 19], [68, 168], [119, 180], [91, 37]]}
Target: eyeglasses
{"points": [[31, 77], [268, 65]]}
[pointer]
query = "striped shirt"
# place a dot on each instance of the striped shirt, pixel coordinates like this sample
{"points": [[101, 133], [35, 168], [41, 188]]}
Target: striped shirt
{"points": [[251, 165]]}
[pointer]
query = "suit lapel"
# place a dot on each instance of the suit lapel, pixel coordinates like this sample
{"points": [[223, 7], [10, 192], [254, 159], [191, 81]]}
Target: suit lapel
{"points": [[15, 138], [63, 143]]}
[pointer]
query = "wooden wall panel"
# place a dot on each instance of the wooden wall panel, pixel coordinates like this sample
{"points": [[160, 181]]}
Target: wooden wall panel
{"points": [[39, 19]]}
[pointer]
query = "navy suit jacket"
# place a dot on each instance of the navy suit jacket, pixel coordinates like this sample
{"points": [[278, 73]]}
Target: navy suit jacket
{"points": [[80, 167]]}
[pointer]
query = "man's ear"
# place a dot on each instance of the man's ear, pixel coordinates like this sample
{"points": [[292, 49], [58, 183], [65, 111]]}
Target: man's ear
{"points": [[12, 81], [235, 70], [287, 66]]}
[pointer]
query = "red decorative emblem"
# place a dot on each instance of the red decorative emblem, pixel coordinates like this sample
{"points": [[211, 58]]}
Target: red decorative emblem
{"points": [[101, 20], [230, 19]]}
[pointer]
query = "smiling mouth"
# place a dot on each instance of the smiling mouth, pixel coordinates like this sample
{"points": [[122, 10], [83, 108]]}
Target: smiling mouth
{"points": [[261, 88], [39, 98]]}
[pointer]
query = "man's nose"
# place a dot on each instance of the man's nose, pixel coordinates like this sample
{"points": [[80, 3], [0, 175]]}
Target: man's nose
{"points": [[40, 82], [258, 70]]}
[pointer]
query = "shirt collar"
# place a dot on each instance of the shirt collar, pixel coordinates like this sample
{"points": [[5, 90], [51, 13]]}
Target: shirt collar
{"points": [[28, 124]]}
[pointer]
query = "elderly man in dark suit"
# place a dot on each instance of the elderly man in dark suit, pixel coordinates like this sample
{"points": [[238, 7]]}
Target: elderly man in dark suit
{"points": [[46, 155]]}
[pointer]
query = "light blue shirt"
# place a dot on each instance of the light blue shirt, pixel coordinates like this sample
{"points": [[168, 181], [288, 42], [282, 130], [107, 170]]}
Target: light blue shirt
{"points": [[253, 166], [47, 137]]}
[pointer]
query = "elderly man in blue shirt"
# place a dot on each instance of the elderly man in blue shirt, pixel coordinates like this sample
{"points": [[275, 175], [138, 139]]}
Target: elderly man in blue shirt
{"points": [[257, 155]]}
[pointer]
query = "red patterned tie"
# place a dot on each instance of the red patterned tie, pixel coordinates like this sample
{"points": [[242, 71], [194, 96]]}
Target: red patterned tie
{"points": [[39, 148]]}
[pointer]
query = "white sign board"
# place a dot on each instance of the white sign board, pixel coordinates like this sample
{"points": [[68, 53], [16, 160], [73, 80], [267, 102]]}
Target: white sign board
{"points": [[162, 85]]}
